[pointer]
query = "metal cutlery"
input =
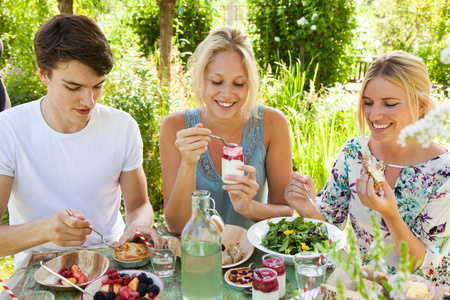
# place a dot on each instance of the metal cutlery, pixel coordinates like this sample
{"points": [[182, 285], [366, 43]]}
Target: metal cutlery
{"points": [[90, 227], [65, 279]]}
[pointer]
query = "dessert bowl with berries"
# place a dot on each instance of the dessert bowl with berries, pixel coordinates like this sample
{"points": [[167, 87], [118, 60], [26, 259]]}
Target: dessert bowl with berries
{"points": [[80, 267], [126, 284], [239, 278]]}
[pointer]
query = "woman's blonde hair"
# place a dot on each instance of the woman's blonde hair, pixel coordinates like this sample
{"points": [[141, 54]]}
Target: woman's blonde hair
{"points": [[406, 71], [225, 39]]}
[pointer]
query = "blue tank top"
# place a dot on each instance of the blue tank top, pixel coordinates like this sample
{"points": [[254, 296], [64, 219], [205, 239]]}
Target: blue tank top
{"points": [[254, 155]]}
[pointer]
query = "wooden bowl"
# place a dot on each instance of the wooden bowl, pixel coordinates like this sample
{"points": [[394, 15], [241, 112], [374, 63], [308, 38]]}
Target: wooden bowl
{"points": [[232, 234], [93, 264]]}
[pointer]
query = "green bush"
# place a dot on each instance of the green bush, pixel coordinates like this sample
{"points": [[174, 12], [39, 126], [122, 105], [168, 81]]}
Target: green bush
{"points": [[192, 23], [317, 31], [421, 28]]}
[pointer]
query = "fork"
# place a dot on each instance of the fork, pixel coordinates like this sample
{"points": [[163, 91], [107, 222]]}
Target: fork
{"points": [[231, 145], [90, 227]]}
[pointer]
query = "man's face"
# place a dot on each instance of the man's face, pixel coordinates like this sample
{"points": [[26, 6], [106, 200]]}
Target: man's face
{"points": [[73, 89]]}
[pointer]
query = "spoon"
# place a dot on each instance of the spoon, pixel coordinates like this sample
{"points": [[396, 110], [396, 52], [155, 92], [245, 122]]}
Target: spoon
{"points": [[230, 145], [65, 279], [307, 194], [90, 227], [253, 267]]}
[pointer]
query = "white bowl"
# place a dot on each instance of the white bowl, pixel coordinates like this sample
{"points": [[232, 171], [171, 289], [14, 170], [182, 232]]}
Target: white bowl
{"points": [[235, 285], [260, 229], [95, 286]]}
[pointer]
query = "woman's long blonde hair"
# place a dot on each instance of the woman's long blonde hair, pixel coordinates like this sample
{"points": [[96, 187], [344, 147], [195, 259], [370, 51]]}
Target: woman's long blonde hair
{"points": [[408, 72], [225, 39]]}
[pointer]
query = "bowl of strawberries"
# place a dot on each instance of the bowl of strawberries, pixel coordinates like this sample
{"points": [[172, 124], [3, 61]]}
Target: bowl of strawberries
{"points": [[126, 284]]}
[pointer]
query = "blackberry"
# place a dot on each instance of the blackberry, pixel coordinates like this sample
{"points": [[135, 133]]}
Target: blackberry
{"points": [[99, 296], [110, 296], [142, 289], [153, 289], [144, 279]]}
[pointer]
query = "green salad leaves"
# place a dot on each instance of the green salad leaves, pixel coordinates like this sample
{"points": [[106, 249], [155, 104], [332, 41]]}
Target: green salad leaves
{"points": [[299, 235]]}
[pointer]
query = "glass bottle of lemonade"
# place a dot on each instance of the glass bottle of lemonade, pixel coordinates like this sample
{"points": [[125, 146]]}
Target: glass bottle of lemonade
{"points": [[201, 252]]}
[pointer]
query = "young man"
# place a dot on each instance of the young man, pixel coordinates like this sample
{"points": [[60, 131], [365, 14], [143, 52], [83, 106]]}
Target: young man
{"points": [[66, 151]]}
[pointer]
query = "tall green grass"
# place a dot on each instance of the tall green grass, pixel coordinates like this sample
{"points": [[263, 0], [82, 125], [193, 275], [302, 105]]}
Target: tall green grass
{"points": [[319, 121]]}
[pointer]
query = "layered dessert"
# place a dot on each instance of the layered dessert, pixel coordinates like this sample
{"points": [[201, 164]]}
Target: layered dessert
{"points": [[265, 287], [276, 263], [231, 158]]}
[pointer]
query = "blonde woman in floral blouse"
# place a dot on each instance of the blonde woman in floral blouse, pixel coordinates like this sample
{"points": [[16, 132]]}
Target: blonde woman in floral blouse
{"points": [[413, 203]]}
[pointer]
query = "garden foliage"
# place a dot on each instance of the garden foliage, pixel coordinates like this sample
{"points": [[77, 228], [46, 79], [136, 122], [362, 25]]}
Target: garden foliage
{"points": [[193, 21], [421, 28], [311, 31]]}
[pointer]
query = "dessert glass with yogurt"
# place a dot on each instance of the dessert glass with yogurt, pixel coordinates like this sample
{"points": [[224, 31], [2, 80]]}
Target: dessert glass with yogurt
{"points": [[265, 287], [231, 158], [276, 262]]}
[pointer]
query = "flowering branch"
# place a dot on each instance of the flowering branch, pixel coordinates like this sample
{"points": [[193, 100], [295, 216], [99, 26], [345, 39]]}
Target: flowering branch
{"points": [[426, 129]]}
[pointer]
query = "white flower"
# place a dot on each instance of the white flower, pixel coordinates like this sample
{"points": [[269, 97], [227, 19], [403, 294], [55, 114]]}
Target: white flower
{"points": [[426, 129], [313, 27], [314, 16], [304, 3], [277, 39], [302, 21], [353, 31], [445, 56]]}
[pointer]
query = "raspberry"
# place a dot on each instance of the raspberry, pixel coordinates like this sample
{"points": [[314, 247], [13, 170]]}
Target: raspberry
{"points": [[144, 279], [99, 296], [110, 296], [142, 289], [153, 289]]}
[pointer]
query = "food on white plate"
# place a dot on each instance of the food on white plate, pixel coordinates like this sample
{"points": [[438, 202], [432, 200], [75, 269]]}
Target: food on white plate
{"points": [[123, 286], [240, 276], [74, 275], [299, 235], [377, 172], [329, 292], [132, 252], [232, 254], [417, 289]]}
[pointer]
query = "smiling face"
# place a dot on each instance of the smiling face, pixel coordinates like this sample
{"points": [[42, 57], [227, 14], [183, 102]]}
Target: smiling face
{"points": [[226, 85], [73, 89], [386, 109]]}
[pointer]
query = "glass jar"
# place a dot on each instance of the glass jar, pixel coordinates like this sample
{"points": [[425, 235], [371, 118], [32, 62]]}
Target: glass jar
{"points": [[265, 287], [231, 158], [201, 252], [276, 262]]}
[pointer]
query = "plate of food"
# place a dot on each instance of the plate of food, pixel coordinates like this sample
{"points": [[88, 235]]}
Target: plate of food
{"points": [[239, 278], [80, 267], [236, 248], [126, 284], [286, 236]]}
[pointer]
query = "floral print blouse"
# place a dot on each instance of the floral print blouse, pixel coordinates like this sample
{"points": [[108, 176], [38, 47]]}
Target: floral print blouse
{"points": [[423, 199]]}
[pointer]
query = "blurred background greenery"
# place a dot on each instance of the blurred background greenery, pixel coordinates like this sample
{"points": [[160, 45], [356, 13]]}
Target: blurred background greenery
{"points": [[311, 55]]}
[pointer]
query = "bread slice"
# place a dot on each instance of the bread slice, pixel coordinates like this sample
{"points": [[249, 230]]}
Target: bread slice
{"points": [[329, 292], [377, 172]]}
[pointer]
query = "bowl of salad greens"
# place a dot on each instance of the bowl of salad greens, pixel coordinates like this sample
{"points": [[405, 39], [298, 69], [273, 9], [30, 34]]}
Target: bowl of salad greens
{"points": [[287, 236]]}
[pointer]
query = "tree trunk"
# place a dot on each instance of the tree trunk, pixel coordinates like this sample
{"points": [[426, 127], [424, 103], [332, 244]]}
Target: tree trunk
{"points": [[65, 6], [166, 13]]}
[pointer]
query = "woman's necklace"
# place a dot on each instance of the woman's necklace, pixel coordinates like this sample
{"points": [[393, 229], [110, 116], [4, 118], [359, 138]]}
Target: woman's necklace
{"points": [[396, 166]]}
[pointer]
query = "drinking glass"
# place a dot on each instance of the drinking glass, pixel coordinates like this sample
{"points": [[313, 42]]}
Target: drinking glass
{"points": [[308, 272], [164, 258]]}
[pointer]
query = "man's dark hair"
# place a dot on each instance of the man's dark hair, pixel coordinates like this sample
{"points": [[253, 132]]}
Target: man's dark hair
{"points": [[64, 38]]}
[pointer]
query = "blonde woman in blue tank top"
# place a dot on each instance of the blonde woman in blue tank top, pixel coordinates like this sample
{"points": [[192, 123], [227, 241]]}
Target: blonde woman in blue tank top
{"points": [[225, 81]]}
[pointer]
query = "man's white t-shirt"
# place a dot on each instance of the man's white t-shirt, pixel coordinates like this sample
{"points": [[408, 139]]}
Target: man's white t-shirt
{"points": [[80, 170]]}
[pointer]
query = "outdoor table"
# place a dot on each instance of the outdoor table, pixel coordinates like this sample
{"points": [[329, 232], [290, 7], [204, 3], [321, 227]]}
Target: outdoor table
{"points": [[172, 284]]}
